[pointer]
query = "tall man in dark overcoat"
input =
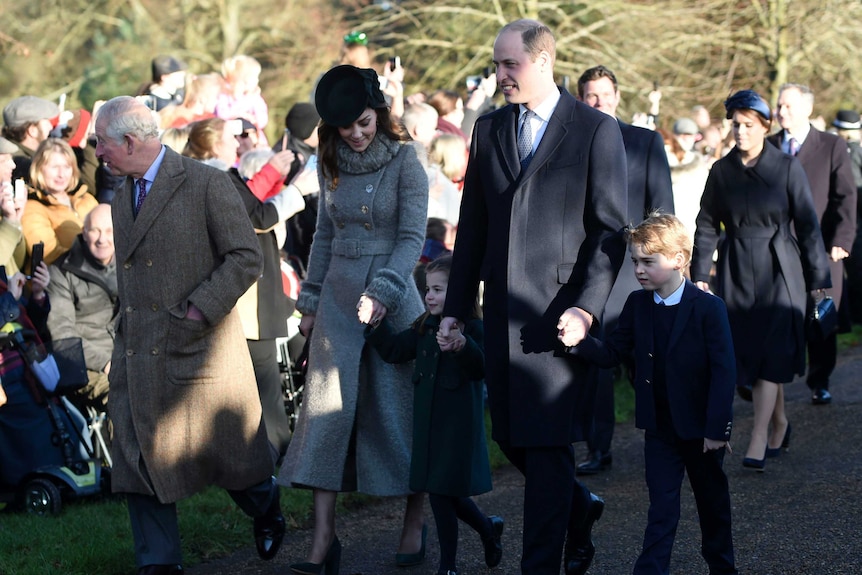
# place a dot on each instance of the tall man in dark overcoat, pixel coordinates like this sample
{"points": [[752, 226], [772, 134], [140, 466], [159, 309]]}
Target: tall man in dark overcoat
{"points": [[184, 401], [828, 165], [649, 189], [540, 225]]}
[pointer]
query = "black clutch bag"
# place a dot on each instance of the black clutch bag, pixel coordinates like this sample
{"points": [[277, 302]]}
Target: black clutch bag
{"points": [[823, 320]]}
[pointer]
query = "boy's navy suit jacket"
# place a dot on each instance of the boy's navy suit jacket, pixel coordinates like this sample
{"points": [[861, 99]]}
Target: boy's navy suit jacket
{"points": [[701, 368]]}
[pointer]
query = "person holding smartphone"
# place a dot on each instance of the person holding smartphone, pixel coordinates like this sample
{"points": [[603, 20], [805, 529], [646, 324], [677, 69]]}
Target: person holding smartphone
{"points": [[13, 249]]}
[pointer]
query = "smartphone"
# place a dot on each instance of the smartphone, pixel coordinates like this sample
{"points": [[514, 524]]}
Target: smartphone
{"points": [[20, 190], [486, 72], [384, 81], [394, 63], [473, 82], [284, 139], [36, 258], [655, 86]]}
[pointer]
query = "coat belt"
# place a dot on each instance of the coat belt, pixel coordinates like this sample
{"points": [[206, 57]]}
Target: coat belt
{"points": [[355, 249]]}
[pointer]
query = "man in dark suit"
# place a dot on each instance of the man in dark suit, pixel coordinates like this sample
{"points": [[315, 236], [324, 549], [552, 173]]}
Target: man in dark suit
{"points": [[544, 203], [649, 189], [828, 165], [184, 402]]}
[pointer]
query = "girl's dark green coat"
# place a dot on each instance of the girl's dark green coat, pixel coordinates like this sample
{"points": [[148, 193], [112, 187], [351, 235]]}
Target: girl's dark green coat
{"points": [[450, 453]]}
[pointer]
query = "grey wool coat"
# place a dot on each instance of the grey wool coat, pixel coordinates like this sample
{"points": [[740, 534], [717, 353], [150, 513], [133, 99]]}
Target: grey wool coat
{"points": [[184, 401], [370, 231]]}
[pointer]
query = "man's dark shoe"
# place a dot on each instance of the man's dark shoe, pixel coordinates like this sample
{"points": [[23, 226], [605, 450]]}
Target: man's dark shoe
{"points": [[595, 463], [580, 550], [161, 570], [269, 530], [821, 396]]}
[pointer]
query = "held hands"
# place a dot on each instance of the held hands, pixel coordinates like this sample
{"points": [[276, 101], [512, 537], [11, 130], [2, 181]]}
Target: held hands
{"points": [[574, 325], [370, 311], [449, 336], [703, 286]]}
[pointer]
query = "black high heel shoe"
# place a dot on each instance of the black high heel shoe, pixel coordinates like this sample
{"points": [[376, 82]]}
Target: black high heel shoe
{"points": [[411, 559], [785, 444], [758, 465], [330, 566]]}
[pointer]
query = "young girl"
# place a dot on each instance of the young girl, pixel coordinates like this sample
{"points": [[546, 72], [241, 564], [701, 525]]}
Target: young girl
{"points": [[242, 98], [450, 456]]}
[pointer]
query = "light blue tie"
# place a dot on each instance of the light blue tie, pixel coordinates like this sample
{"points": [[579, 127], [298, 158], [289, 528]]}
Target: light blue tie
{"points": [[525, 136]]}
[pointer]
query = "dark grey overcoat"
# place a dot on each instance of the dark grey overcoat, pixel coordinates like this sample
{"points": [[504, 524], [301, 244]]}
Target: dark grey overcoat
{"points": [[543, 240]]}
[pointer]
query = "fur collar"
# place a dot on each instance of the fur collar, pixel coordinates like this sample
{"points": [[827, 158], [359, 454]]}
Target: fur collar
{"points": [[378, 153]]}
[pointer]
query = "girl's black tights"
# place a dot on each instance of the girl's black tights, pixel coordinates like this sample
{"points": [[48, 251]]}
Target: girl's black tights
{"points": [[447, 511]]}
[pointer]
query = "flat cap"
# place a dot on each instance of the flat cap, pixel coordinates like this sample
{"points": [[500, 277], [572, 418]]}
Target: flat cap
{"points": [[28, 110]]}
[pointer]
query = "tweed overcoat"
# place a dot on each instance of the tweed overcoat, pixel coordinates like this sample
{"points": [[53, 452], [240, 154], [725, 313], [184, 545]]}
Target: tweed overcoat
{"points": [[450, 453], [370, 231], [771, 256], [543, 239], [184, 401]]}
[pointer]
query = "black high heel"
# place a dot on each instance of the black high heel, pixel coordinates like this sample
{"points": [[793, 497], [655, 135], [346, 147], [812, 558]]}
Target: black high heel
{"points": [[411, 559], [785, 444], [330, 566], [755, 464]]}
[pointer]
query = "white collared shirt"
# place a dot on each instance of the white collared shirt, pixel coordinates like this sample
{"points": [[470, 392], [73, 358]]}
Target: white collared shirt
{"points": [[543, 113], [672, 299]]}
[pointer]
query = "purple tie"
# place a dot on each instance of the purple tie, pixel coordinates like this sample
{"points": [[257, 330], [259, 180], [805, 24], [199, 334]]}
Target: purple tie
{"points": [[794, 146], [142, 193]]}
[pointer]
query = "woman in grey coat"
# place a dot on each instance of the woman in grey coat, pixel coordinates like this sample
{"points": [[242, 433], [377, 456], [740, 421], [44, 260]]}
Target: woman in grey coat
{"points": [[354, 431]]}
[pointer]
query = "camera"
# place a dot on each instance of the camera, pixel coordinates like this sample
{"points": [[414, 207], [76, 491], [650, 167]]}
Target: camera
{"points": [[394, 63]]}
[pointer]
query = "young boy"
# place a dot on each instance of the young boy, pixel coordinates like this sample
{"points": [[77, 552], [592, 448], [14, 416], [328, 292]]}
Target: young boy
{"points": [[679, 340]]}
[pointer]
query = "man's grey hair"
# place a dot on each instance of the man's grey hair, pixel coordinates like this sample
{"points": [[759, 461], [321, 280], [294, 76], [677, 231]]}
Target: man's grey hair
{"points": [[807, 93], [127, 115]]}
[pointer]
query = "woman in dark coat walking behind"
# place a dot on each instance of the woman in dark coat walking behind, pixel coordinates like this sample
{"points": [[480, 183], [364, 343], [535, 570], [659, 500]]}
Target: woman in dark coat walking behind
{"points": [[450, 454], [760, 196]]}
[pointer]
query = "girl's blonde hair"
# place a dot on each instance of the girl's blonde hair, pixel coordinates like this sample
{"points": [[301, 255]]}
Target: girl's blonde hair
{"points": [[448, 152], [239, 66]]}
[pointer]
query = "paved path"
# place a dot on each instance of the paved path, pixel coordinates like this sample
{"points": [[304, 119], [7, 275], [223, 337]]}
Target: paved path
{"points": [[803, 516]]}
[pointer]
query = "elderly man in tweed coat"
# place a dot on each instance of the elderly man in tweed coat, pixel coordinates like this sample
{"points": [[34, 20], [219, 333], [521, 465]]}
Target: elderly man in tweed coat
{"points": [[184, 401]]}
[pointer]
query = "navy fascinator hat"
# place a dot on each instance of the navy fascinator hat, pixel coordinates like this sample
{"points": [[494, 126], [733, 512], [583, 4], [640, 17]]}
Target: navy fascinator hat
{"points": [[747, 100], [344, 92]]}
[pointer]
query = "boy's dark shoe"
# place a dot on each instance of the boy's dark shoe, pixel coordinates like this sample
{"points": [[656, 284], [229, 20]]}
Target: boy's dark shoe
{"points": [[269, 530], [579, 551], [596, 463], [821, 396]]}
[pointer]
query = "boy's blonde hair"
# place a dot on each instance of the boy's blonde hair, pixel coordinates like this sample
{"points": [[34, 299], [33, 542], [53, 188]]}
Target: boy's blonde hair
{"points": [[662, 234]]}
